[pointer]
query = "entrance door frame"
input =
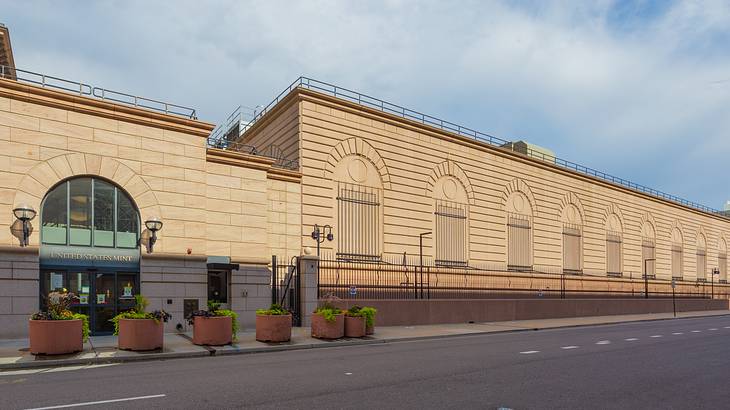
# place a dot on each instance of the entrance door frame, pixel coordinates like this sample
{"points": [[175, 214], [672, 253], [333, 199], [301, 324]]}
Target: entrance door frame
{"points": [[92, 285]]}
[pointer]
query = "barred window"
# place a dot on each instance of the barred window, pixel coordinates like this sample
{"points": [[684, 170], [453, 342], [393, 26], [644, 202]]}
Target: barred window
{"points": [[358, 217], [451, 233], [519, 242], [648, 257], [677, 256], [701, 264], [614, 256], [572, 248], [722, 265]]}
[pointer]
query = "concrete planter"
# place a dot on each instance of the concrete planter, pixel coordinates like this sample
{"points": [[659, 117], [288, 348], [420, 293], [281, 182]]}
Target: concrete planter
{"points": [[273, 328], [140, 334], [322, 329], [354, 326], [212, 331], [55, 336]]}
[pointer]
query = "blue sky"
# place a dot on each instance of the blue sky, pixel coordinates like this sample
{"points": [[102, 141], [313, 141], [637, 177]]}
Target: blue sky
{"points": [[640, 89]]}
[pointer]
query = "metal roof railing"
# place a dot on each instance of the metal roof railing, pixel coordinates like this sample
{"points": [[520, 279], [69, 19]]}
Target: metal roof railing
{"points": [[406, 113], [75, 87]]}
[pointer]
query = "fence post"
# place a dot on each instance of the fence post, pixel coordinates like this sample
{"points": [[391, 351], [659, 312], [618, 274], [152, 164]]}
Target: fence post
{"points": [[274, 280]]}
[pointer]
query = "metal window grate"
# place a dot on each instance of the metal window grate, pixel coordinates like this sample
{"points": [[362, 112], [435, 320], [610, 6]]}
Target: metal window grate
{"points": [[519, 242], [451, 234], [614, 253], [572, 248], [701, 264], [722, 265], [648, 257], [677, 257], [358, 216]]}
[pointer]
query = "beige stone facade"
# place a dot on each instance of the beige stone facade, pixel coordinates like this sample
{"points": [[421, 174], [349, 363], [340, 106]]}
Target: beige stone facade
{"points": [[519, 210], [213, 203]]}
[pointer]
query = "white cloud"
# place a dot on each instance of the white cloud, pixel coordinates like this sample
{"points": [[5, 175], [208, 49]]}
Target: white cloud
{"points": [[630, 89]]}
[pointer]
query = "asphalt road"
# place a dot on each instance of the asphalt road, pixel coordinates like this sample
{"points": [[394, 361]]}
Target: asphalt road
{"points": [[681, 364]]}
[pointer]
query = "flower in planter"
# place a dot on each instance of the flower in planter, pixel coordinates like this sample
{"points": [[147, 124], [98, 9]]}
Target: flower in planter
{"points": [[214, 310], [58, 308], [140, 312], [274, 310]]}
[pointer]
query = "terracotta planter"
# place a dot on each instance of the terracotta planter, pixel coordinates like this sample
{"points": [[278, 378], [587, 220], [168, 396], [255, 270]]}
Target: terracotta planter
{"points": [[212, 331], [55, 336], [323, 329], [369, 330], [273, 328], [140, 334], [354, 326]]}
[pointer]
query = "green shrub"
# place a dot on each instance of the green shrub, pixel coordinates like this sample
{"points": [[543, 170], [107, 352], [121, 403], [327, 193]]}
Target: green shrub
{"points": [[369, 314], [139, 312], [234, 320], [274, 310], [328, 312], [84, 325]]}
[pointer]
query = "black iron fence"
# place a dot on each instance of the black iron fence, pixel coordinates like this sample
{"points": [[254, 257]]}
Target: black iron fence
{"points": [[403, 277], [286, 285]]}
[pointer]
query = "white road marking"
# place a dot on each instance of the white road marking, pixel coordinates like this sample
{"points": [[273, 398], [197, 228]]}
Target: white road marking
{"points": [[727, 327], [655, 336], [678, 333], [631, 339], [92, 403], [603, 342], [348, 374], [569, 347], [55, 369], [713, 328], [530, 352], [696, 331]]}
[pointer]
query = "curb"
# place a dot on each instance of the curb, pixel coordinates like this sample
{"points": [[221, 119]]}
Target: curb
{"points": [[305, 346]]}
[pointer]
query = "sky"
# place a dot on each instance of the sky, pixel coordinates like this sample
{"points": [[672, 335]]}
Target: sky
{"points": [[640, 90]]}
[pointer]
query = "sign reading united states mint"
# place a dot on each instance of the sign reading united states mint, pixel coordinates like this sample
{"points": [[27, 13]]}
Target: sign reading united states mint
{"points": [[89, 257]]}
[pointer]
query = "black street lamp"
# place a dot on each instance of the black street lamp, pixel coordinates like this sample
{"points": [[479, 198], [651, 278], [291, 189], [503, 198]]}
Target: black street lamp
{"points": [[24, 213], [153, 225], [318, 234]]}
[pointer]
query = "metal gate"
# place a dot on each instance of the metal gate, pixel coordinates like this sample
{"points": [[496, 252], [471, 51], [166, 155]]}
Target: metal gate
{"points": [[285, 287]]}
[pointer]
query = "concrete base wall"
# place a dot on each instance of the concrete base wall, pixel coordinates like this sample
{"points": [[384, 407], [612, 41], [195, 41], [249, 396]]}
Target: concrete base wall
{"points": [[424, 312]]}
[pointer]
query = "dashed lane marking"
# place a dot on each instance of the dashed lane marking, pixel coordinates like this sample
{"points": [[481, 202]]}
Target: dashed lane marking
{"points": [[631, 339], [712, 329], [530, 352], [678, 333], [569, 347], [655, 336], [603, 342], [696, 331]]}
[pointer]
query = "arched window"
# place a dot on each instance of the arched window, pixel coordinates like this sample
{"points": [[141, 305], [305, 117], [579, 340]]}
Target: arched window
{"points": [[648, 249], [722, 260], [677, 253], [614, 249], [519, 232], [701, 257], [358, 196], [89, 212], [451, 222], [572, 240]]}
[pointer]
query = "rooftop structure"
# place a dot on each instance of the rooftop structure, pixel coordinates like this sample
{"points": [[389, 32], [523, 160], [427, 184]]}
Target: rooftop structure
{"points": [[6, 52]]}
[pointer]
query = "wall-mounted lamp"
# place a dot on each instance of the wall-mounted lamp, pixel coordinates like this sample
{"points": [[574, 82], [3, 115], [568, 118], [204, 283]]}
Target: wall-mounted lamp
{"points": [[153, 225], [318, 234], [24, 213]]}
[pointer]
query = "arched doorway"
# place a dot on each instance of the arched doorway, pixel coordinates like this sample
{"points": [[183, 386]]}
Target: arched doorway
{"points": [[90, 231]]}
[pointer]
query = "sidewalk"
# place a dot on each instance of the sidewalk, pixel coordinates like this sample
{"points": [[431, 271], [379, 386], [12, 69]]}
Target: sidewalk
{"points": [[102, 349]]}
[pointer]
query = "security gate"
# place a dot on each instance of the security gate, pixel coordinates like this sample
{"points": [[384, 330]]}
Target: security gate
{"points": [[285, 287]]}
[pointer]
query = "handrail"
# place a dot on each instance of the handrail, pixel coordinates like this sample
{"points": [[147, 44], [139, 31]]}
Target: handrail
{"points": [[48, 81], [406, 113]]}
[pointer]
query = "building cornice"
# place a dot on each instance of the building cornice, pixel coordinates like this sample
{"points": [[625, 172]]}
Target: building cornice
{"points": [[102, 108], [240, 159]]}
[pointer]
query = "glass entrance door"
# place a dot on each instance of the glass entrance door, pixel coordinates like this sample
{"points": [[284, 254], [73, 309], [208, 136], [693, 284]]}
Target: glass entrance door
{"points": [[104, 302]]}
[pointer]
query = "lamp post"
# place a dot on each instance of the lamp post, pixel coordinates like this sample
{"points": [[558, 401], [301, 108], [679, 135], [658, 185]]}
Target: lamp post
{"points": [[646, 277], [318, 234], [715, 271], [24, 213], [420, 250], [153, 224]]}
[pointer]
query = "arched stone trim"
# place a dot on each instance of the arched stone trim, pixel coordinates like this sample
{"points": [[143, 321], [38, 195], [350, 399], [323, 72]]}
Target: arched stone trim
{"points": [[34, 185], [676, 225], [701, 238], [449, 168], [613, 209], [518, 185], [722, 243], [357, 146], [647, 218], [570, 198]]}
